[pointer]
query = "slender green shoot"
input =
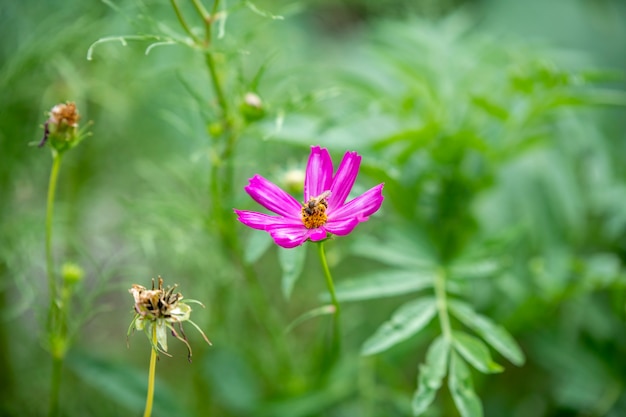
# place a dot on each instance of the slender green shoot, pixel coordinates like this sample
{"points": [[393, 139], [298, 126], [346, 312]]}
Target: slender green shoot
{"points": [[336, 343], [151, 373]]}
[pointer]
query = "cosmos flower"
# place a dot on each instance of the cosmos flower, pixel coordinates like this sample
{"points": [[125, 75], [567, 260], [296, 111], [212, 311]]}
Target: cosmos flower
{"points": [[163, 308], [324, 210]]}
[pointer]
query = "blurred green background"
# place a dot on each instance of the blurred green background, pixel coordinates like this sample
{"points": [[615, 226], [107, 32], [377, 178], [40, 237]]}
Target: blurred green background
{"points": [[497, 127]]}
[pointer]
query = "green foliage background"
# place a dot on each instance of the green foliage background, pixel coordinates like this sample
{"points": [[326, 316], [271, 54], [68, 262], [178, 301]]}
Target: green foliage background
{"points": [[496, 126]]}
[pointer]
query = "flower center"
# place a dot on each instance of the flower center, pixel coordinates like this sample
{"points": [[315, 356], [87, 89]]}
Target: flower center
{"points": [[314, 211], [155, 303]]}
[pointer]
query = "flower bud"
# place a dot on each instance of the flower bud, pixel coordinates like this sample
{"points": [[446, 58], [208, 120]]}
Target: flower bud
{"points": [[61, 128], [292, 180], [252, 107], [72, 273]]}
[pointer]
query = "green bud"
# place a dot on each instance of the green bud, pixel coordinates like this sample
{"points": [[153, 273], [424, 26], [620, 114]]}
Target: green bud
{"points": [[252, 107], [58, 346], [293, 181], [72, 273], [215, 129]]}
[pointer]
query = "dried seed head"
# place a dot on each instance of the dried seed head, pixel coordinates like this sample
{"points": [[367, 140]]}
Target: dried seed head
{"points": [[64, 114], [162, 307]]}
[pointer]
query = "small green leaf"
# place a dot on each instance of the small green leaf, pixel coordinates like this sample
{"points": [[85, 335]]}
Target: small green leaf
{"points": [[258, 243], [406, 321], [474, 269], [123, 384], [383, 284], [316, 312], [475, 352], [490, 107], [430, 375], [292, 263], [393, 253], [495, 335], [402, 246], [462, 388]]}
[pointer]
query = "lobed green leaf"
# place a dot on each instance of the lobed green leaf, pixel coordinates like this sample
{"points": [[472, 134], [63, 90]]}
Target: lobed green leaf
{"points": [[431, 375], [475, 352], [383, 284], [497, 336], [478, 269], [406, 321], [397, 251], [256, 245], [292, 263], [462, 388]]}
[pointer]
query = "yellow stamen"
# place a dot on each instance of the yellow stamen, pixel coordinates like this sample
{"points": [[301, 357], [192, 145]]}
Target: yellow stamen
{"points": [[314, 212]]}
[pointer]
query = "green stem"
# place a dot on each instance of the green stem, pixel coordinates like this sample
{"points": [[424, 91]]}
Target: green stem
{"points": [[206, 18], [56, 348], [367, 386], [151, 373], [201, 10], [216, 4], [183, 23], [442, 304], [333, 297], [217, 86], [57, 367], [52, 186]]}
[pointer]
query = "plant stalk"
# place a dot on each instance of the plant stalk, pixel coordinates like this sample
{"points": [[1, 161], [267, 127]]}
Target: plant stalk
{"points": [[442, 304], [151, 373], [57, 353], [183, 23], [336, 344]]}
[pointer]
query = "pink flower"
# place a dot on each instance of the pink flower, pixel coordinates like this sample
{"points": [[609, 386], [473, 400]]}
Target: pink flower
{"points": [[324, 210]]}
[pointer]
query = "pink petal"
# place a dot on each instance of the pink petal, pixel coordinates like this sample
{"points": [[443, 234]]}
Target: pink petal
{"points": [[289, 236], [317, 234], [344, 179], [319, 173], [259, 221], [272, 197], [341, 227], [361, 207]]}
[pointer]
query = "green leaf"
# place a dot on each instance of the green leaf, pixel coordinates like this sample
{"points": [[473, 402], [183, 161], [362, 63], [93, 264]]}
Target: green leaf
{"points": [[430, 375], [291, 262], [258, 243], [316, 312], [495, 335], [475, 352], [474, 269], [383, 284], [490, 107], [123, 384], [397, 251], [406, 321], [462, 388]]}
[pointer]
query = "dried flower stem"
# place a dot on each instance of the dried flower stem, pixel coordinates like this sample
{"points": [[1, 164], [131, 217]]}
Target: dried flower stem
{"points": [[336, 344], [151, 373]]}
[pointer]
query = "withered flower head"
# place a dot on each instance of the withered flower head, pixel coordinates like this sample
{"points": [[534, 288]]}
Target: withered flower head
{"points": [[61, 128], [64, 114], [163, 308]]}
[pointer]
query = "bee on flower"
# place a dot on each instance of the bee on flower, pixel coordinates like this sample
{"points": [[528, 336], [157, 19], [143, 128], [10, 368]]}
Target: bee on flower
{"points": [[324, 211], [159, 310]]}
